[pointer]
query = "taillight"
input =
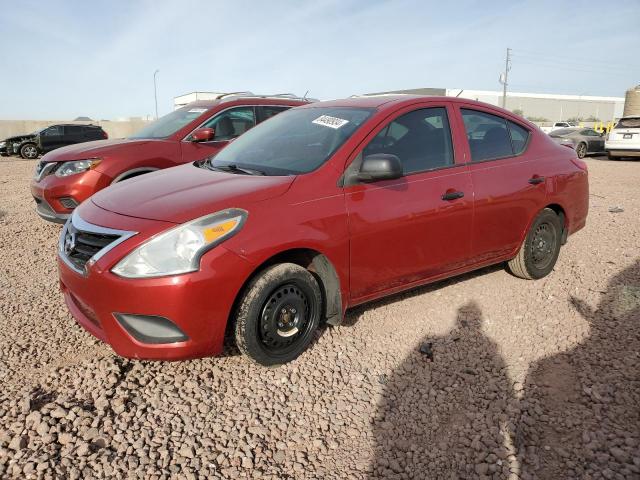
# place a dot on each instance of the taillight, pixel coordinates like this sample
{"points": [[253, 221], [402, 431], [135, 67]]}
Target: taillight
{"points": [[579, 163], [104, 134]]}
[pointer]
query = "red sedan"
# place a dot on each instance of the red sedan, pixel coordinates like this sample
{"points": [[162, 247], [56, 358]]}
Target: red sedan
{"points": [[319, 209], [67, 176]]}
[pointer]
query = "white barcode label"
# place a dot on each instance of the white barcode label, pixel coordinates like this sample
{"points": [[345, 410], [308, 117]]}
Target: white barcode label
{"points": [[331, 122]]}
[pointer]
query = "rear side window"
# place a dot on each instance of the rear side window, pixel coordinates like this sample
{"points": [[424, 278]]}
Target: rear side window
{"points": [[491, 136], [420, 139], [519, 137], [487, 134], [73, 130]]}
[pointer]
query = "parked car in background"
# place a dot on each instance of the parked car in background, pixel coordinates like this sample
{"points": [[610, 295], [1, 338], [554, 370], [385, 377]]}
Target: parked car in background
{"points": [[624, 139], [582, 140], [559, 125], [322, 208], [66, 177], [54, 136]]}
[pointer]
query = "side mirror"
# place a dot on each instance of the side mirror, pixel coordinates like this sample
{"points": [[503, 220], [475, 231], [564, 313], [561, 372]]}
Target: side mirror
{"points": [[380, 166], [203, 135]]}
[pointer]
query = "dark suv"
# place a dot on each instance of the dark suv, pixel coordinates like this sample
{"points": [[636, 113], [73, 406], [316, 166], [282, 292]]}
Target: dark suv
{"points": [[55, 136]]}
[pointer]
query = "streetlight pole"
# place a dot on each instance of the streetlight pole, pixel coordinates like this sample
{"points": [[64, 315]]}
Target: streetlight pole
{"points": [[155, 90]]}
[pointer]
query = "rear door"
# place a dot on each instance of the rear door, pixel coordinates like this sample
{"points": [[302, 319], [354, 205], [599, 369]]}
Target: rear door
{"points": [[73, 134], [404, 231], [228, 125], [508, 182]]}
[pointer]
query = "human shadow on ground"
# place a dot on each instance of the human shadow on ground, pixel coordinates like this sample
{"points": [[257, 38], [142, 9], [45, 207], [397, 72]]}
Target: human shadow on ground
{"points": [[446, 412], [450, 411], [581, 408]]}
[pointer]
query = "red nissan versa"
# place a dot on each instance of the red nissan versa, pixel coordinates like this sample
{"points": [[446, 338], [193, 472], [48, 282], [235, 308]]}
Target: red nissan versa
{"points": [[66, 177], [319, 209]]}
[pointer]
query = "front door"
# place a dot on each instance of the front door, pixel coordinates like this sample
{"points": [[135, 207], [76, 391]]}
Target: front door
{"points": [[416, 227], [227, 126]]}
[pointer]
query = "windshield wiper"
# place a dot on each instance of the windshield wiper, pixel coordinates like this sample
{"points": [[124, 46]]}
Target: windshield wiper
{"points": [[233, 168]]}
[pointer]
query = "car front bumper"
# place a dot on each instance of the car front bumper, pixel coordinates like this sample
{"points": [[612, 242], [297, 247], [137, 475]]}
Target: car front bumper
{"points": [[195, 305], [55, 196]]}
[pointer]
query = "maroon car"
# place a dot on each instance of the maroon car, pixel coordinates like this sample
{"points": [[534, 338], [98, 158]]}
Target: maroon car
{"points": [[322, 208], [69, 175]]}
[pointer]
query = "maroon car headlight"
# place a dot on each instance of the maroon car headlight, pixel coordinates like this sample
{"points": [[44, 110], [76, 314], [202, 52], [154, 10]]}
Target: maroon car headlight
{"points": [[179, 249]]}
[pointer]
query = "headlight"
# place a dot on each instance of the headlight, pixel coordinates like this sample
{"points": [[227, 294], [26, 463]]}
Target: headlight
{"points": [[79, 166], [2, 144], [179, 250]]}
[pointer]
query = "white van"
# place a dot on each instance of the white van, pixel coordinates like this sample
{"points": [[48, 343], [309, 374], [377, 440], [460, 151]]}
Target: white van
{"points": [[624, 139]]}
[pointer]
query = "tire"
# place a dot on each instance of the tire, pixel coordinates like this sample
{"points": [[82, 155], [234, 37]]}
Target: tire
{"points": [[29, 151], [612, 157], [278, 314], [581, 150], [535, 259]]}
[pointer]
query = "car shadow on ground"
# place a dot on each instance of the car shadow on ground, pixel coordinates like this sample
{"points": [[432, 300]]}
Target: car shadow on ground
{"points": [[353, 315], [451, 411]]}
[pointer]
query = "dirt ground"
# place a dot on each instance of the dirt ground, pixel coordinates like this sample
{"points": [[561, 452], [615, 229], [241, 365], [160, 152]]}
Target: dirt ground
{"points": [[516, 379]]}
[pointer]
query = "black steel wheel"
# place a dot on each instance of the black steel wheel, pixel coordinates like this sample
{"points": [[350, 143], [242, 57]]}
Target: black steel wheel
{"points": [[278, 314], [539, 251]]}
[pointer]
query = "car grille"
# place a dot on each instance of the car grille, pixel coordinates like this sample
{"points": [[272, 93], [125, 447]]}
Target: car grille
{"points": [[81, 242]]}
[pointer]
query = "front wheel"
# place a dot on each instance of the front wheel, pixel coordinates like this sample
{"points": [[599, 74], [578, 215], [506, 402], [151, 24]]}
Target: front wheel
{"points": [[581, 150], [539, 251], [278, 314], [29, 151]]}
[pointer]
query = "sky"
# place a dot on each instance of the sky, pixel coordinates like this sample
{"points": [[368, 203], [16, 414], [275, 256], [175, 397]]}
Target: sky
{"points": [[63, 59]]}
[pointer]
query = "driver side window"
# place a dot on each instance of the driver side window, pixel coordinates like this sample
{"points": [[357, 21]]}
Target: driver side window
{"points": [[231, 123], [420, 139]]}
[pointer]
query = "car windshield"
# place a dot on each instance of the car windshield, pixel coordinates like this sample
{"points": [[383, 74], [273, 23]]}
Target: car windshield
{"points": [[170, 123], [629, 123], [294, 142]]}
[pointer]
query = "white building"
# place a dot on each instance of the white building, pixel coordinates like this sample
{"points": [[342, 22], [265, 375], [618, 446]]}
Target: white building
{"points": [[552, 107], [183, 100]]}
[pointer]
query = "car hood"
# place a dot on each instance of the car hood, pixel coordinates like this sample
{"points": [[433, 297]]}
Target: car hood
{"points": [[180, 194], [97, 148], [19, 137]]}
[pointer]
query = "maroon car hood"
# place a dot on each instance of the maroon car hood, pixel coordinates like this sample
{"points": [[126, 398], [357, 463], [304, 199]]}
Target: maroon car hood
{"points": [[180, 194], [97, 148]]}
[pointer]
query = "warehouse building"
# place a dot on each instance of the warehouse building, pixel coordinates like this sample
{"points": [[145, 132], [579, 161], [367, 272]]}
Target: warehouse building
{"points": [[541, 107]]}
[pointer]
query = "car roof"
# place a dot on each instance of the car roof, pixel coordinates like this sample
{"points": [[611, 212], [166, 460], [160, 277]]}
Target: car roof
{"points": [[385, 101]]}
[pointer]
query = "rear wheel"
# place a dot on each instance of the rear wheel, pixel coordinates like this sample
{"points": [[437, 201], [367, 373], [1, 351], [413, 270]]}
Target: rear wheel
{"points": [[29, 151], [539, 251], [581, 150], [278, 314]]}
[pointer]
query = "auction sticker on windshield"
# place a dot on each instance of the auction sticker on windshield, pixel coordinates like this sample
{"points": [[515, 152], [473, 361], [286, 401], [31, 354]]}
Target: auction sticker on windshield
{"points": [[331, 122], [197, 110]]}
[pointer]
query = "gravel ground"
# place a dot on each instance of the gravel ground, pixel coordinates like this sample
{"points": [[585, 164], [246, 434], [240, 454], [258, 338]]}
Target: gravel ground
{"points": [[482, 376]]}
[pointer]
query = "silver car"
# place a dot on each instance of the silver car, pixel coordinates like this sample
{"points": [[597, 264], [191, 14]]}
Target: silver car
{"points": [[582, 140]]}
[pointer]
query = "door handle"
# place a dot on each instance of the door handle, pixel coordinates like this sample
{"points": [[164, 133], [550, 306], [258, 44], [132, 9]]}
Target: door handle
{"points": [[536, 179], [452, 195]]}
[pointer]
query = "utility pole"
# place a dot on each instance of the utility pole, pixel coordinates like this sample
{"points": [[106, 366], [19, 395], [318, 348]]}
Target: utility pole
{"points": [[504, 78], [155, 91]]}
